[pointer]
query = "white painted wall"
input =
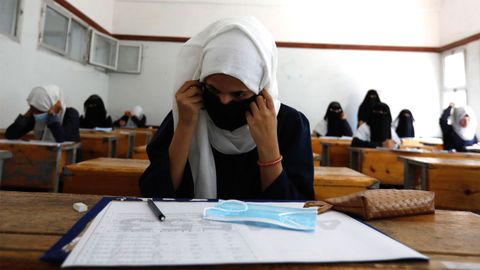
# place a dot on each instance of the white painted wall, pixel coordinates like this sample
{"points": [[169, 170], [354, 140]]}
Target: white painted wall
{"points": [[374, 22], [99, 11], [458, 19], [23, 65], [308, 80]]}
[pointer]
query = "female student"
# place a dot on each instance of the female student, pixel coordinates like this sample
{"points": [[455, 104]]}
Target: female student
{"points": [[132, 119], [95, 113], [228, 136], [377, 131], [403, 124], [47, 116], [334, 123], [461, 132], [371, 98]]}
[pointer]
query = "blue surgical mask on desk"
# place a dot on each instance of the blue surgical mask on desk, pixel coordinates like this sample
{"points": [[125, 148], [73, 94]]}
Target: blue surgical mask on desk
{"points": [[41, 117], [287, 217]]}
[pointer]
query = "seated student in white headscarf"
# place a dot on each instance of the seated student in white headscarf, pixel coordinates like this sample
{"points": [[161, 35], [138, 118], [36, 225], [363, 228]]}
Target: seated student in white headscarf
{"points": [[228, 136], [461, 132], [403, 124], [47, 116], [334, 123], [132, 119], [377, 131]]}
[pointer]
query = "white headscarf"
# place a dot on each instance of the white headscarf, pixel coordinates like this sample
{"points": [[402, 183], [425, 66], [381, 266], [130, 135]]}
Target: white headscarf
{"points": [[137, 111], [466, 133], [240, 47], [43, 98]]}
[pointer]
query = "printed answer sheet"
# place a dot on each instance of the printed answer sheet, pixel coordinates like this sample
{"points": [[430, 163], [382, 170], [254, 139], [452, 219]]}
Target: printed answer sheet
{"points": [[127, 234]]}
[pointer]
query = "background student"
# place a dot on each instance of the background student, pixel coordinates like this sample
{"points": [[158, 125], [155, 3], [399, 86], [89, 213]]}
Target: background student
{"points": [[461, 132], [95, 114], [403, 124], [132, 119], [47, 116], [244, 144], [377, 131], [371, 98], [334, 123]]}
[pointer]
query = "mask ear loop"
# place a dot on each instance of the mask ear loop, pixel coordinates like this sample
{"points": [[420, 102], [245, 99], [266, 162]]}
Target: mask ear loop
{"points": [[219, 208]]}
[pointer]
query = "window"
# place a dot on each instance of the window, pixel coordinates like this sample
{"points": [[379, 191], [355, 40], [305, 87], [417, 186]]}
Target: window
{"points": [[454, 82], [55, 29], [103, 51], [9, 14], [129, 58], [78, 42]]}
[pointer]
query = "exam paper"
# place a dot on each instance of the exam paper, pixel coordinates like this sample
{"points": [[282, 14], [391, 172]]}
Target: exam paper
{"points": [[127, 233]]}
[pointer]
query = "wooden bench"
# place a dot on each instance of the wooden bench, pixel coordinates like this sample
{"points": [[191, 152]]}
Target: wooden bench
{"points": [[98, 144], [105, 176], [140, 152], [338, 181], [383, 164], [36, 165], [4, 154], [334, 151], [456, 182]]}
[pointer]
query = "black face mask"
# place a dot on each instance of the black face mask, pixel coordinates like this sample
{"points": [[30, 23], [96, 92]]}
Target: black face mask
{"points": [[226, 116]]}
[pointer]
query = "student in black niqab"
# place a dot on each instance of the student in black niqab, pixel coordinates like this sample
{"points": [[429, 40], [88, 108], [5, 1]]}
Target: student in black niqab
{"points": [[404, 124], [334, 123], [371, 98], [95, 114]]}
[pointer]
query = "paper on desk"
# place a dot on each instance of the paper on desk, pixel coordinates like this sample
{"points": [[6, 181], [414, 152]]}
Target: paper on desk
{"points": [[127, 233]]}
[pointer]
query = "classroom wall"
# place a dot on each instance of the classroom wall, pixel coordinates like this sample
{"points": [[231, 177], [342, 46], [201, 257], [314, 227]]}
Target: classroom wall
{"points": [[99, 11], [458, 20], [23, 65]]}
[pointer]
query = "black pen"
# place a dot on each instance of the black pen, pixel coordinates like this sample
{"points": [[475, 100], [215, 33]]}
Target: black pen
{"points": [[155, 210]]}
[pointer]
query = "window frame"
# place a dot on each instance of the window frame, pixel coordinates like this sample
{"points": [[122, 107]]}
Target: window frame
{"points": [[17, 19], [139, 59], [93, 38], [56, 8], [87, 41], [447, 90]]}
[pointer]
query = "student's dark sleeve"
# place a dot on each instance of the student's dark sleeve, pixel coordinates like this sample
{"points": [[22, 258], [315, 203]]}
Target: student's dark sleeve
{"points": [[443, 121], [296, 180], [139, 122], [156, 181], [69, 129], [347, 130], [117, 123], [20, 127], [356, 142], [108, 122]]}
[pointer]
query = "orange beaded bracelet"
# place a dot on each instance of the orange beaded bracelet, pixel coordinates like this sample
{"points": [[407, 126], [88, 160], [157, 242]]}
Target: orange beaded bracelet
{"points": [[271, 163]]}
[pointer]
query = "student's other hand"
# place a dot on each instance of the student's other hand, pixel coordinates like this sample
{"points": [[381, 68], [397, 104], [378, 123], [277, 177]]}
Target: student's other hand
{"points": [[29, 112], [55, 108], [452, 105], [122, 123], [389, 144], [343, 116], [262, 121], [128, 113], [189, 102]]}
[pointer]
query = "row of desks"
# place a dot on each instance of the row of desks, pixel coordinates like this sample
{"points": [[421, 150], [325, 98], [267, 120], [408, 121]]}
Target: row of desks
{"points": [[32, 222]]}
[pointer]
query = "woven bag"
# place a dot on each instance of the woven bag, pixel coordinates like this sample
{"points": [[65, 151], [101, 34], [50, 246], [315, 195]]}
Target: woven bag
{"points": [[380, 203]]}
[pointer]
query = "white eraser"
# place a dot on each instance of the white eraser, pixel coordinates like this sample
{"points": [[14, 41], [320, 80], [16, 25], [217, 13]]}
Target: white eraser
{"points": [[80, 207]]}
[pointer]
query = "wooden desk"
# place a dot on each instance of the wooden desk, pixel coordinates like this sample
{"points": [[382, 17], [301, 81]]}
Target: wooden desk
{"points": [[456, 182], [36, 165], [105, 176], [143, 136], [338, 181], [383, 164], [4, 154], [98, 144], [335, 151], [316, 146], [432, 144], [26, 232], [140, 152]]}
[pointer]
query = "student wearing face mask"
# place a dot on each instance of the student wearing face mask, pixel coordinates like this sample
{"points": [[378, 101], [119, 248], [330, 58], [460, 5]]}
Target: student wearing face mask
{"points": [[461, 132], [228, 136], [403, 124], [334, 123], [371, 98], [47, 116], [95, 114], [377, 131]]}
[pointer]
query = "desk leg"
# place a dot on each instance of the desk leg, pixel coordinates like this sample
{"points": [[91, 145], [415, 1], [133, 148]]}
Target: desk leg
{"points": [[408, 176], [325, 161]]}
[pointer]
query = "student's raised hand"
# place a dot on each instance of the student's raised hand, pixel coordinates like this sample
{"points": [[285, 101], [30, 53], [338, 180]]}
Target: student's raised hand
{"points": [[56, 108], [389, 144], [128, 113], [262, 121], [29, 112], [189, 102]]}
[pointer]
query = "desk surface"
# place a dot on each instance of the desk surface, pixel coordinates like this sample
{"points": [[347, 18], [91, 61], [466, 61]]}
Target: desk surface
{"points": [[111, 164], [26, 232], [444, 162], [343, 173]]}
